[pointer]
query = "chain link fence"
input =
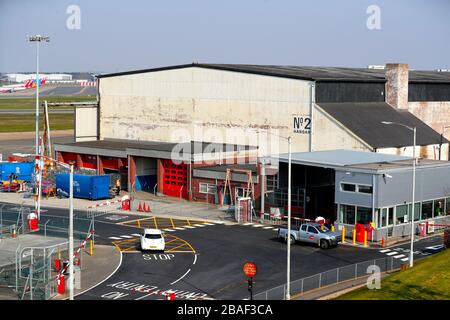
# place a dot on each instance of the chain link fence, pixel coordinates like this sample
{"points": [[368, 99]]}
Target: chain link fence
{"points": [[330, 277]]}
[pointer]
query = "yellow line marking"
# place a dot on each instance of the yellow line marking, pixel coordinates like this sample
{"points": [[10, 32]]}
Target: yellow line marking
{"points": [[139, 223], [129, 221], [189, 223], [181, 245], [171, 221], [154, 220]]}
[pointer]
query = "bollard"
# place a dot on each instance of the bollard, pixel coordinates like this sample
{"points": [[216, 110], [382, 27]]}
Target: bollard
{"points": [[332, 228], [382, 242], [365, 238], [354, 236], [91, 248], [343, 234]]}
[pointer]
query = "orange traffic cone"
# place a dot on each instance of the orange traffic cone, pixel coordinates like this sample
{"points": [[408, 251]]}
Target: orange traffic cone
{"points": [[148, 208], [140, 207]]}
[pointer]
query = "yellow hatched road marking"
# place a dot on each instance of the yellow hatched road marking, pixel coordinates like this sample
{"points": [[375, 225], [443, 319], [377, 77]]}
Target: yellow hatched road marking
{"points": [[130, 221], [139, 223], [154, 220], [171, 221]]}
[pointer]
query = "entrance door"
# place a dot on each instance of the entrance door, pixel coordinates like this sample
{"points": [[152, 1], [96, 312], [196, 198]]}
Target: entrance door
{"points": [[175, 179]]}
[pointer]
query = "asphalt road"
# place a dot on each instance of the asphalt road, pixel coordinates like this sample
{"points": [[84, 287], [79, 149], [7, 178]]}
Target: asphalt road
{"points": [[213, 268], [8, 147]]}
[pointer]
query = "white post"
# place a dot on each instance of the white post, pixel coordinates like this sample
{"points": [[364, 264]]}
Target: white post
{"points": [[288, 280], [37, 97], [263, 188], [41, 167], [71, 234], [411, 254]]}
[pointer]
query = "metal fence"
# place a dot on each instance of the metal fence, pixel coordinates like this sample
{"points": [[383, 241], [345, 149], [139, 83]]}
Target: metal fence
{"points": [[330, 277]]}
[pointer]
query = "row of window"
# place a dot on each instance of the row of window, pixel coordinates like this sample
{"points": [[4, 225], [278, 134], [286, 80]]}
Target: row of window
{"points": [[351, 187], [349, 214], [212, 189]]}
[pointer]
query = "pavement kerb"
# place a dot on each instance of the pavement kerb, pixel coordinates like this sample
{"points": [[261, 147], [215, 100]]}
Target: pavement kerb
{"points": [[102, 278]]}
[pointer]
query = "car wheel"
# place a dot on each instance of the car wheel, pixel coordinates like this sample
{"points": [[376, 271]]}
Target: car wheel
{"points": [[292, 239], [324, 244]]}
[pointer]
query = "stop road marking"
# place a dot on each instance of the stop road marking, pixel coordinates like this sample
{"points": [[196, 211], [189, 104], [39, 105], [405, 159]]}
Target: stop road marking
{"points": [[161, 256]]}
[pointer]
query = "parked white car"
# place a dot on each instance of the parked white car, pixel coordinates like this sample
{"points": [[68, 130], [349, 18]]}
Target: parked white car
{"points": [[152, 239]]}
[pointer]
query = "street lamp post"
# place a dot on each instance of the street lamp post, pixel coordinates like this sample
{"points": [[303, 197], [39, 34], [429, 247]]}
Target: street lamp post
{"points": [[288, 271], [71, 280], [37, 38], [413, 129]]}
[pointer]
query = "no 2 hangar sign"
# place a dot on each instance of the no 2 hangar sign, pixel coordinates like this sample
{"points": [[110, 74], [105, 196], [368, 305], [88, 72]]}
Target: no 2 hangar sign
{"points": [[249, 269], [302, 124]]}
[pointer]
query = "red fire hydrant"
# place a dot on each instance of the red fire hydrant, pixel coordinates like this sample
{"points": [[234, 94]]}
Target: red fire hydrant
{"points": [[33, 222]]}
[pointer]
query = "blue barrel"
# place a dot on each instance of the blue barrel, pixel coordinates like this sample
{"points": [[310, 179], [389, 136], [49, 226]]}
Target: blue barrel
{"points": [[85, 186]]}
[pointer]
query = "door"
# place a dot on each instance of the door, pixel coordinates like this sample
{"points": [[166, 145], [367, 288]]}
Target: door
{"points": [[311, 234], [303, 232], [175, 179]]}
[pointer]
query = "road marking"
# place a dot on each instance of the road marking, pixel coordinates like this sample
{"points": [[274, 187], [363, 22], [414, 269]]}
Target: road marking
{"points": [[181, 277], [257, 225], [189, 227], [218, 222], [247, 224], [199, 225], [392, 253], [171, 221], [276, 229], [136, 234], [405, 259], [178, 228], [436, 247], [399, 256], [144, 296], [208, 224], [195, 258], [126, 236], [114, 238], [170, 230], [154, 220], [268, 228], [385, 250]]}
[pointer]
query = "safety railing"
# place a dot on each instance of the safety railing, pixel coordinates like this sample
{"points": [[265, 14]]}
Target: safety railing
{"points": [[331, 277]]}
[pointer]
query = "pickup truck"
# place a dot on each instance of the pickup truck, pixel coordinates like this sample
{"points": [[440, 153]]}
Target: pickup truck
{"points": [[312, 233]]}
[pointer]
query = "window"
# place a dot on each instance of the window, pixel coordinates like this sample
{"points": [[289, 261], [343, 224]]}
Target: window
{"points": [[390, 216], [347, 214], [348, 187], [447, 206], [364, 189], [208, 188], [241, 192], [439, 207], [271, 182], [427, 210], [364, 215], [312, 229], [304, 227], [401, 214], [416, 211]]}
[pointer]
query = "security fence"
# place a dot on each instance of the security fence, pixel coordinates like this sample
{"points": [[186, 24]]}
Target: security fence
{"points": [[331, 277], [27, 261]]}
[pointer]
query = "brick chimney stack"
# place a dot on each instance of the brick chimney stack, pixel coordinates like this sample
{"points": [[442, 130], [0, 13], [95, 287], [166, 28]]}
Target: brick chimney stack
{"points": [[397, 85]]}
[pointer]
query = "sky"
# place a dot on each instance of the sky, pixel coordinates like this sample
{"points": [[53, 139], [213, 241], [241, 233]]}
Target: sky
{"points": [[113, 35]]}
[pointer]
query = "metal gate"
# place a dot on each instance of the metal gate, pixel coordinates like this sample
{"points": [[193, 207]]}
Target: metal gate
{"points": [[175, 179]]}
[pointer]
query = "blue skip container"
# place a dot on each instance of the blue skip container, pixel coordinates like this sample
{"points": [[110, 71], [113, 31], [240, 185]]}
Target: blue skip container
{"points": [[85, 186], [23, 170]]}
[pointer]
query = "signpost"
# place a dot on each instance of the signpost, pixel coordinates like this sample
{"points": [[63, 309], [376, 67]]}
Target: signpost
{"points": [[250, 271]]}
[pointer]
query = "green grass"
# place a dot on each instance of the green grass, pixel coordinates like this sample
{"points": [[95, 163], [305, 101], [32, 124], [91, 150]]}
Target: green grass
{"points": [[429, 279], [24, 123], [30, 102]]}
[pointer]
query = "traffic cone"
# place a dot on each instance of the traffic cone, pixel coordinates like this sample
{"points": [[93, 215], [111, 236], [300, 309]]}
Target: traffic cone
{"points": [[140, 207], [14, 233], [148, 208]]}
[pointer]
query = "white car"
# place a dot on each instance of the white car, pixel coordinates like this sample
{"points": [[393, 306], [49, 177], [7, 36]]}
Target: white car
{"points": [[152, 239]]}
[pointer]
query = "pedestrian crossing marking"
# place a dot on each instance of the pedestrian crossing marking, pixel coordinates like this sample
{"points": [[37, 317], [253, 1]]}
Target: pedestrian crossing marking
{"points": [[399, 256], [392, 253]]}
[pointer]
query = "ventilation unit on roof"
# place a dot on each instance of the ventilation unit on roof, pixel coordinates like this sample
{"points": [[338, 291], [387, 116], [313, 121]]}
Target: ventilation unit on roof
{"points": [[376, 67], [442, 70]]}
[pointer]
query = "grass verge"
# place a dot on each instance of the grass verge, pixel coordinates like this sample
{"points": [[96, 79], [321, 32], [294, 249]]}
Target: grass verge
{"points": [[429, 279], [30, 102], [26, 122]]}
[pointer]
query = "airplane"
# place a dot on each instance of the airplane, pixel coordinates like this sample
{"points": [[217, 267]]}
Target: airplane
{"points": [[18, 87]]}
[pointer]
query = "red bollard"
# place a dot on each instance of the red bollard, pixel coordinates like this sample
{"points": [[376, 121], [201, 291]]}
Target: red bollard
{"points": [[170, 296], [382, 242], [60, 284]]}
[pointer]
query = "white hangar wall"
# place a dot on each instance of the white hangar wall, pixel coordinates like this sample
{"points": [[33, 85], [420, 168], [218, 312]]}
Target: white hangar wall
{"points": [[197, 103]]}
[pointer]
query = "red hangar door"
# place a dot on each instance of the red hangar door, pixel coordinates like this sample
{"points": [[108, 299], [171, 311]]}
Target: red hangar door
{"points": [[175, 179]]}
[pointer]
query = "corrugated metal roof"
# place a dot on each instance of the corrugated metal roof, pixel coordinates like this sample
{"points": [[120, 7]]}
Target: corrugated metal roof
{"points": [[305, 72], [340, 158], [364, 120]]}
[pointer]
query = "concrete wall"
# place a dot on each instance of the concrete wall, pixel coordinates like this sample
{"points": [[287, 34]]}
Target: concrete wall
{"points": [[212, 105], [85, 124], [429, 152]]}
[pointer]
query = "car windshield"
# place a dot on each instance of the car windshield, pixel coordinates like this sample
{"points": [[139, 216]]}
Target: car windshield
{"points": [[152, 236], [323, 229]]}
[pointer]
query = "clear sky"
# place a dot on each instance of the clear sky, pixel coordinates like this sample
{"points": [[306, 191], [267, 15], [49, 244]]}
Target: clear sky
{"points": [[117, 35]]}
